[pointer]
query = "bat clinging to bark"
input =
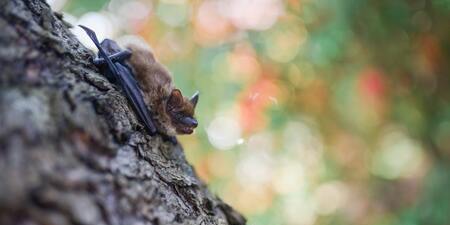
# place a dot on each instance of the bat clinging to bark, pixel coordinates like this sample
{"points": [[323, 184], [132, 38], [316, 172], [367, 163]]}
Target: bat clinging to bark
{"points": [[147, 85]]}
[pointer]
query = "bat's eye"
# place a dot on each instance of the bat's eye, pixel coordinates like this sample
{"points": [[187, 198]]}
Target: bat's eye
{"points": [[189, 121]]}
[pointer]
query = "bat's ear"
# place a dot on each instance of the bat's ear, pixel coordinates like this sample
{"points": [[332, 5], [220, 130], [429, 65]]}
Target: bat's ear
{"points": [[175, 99], [194, 98]]}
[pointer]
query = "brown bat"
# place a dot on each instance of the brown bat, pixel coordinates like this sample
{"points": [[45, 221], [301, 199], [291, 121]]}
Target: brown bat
{"points": [[172, 113], [148, 87]]}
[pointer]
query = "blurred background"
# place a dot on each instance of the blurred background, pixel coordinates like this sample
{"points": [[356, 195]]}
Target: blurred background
{"points": [[311, 112]]}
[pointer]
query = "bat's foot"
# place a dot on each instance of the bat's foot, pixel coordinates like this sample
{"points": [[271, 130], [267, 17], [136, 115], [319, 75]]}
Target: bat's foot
{"points": [[172, 139]]}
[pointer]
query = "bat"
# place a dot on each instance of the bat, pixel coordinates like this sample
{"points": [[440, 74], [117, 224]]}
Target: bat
{"points": [[147, 84]]}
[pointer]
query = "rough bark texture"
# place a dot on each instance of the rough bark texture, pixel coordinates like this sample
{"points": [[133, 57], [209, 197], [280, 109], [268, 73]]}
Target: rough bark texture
{"points": [[71, 149]]}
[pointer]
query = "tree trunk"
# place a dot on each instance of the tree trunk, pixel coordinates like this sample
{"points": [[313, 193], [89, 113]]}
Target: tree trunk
{"points": [[71, 149]]}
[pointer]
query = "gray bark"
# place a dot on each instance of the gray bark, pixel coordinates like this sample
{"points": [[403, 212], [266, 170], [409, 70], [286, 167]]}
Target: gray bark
{"points": [[71, 149]]}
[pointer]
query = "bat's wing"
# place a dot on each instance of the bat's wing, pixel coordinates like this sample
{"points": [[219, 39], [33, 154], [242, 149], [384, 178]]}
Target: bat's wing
{"points": [[101, 52], [127, 83], [132, 91], [120, 57], [116, 57]]}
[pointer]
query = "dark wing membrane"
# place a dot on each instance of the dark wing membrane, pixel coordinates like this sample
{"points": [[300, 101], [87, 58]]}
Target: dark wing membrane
{"points": [[127, 83], [133, 93], [101, 52], [116, 57]]}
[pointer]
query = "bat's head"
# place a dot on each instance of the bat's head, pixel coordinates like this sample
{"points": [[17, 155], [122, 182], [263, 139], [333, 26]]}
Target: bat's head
{"points": [[181, 112]]}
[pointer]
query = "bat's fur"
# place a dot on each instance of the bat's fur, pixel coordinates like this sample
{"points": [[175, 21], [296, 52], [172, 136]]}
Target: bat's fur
{"points": [[166, 102]]}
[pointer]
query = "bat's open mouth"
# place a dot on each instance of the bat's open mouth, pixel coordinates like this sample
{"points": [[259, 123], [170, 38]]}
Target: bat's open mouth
{"points": [[186, 130]]}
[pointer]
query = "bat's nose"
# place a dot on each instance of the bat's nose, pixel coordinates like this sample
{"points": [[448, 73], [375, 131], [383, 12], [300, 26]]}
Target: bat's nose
{"points": [[194, 123], [189, 121]]}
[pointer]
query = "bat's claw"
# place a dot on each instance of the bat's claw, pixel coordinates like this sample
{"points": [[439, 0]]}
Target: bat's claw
{"points": [[172, 139]]}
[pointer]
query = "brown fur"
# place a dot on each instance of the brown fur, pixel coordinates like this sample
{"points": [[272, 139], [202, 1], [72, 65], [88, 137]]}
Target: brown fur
{"points": [[166, 103]]}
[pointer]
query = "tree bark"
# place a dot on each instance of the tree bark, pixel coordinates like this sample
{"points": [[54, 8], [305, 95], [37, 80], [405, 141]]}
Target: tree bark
{"points": [[72, 151]]}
